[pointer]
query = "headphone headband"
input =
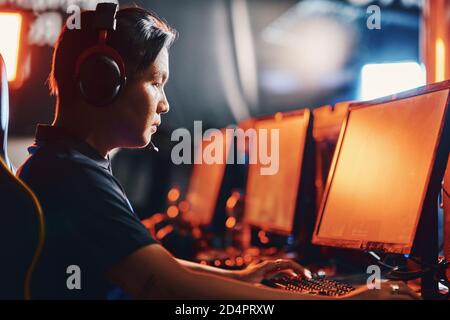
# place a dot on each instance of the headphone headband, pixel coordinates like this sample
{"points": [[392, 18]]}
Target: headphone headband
{"points": [[105, 16]]}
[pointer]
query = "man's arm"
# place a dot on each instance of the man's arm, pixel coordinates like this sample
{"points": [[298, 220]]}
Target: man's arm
{"points": [[253, 274], [152, 273]]}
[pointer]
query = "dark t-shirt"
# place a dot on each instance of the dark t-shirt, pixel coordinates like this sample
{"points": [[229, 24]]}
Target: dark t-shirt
{"points": [[90, 223]]}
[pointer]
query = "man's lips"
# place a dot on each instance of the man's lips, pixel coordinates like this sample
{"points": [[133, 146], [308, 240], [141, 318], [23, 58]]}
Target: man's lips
{"points": [[155, 126]]}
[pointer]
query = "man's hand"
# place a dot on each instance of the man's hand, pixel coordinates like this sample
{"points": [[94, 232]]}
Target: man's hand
{"points": [[256, 273]]}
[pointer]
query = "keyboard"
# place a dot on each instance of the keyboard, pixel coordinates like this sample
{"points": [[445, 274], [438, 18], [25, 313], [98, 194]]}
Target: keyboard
{"points": [[317, 285]]}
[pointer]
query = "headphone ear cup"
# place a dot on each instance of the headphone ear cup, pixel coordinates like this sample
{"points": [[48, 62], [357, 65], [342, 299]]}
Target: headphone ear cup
{"points": [[99, 80]]}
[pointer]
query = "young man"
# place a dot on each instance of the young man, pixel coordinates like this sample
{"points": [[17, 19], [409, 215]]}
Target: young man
{"points": [[91, 226]]}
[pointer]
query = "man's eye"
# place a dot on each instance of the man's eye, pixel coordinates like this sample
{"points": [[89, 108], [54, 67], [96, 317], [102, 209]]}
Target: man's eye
{"points": [[157, 85]]}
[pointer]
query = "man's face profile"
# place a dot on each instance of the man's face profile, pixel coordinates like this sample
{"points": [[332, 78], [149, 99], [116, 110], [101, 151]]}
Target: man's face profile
{"points": [[138, 109]]}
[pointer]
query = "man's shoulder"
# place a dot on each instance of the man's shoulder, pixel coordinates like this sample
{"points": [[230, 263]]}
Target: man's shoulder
{"points": [[59, 166], [68, 182]]}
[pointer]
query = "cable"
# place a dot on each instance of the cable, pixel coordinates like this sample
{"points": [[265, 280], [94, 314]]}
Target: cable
{"points": [[380, 261], [445, 192], [395, 273], [438, 270]]}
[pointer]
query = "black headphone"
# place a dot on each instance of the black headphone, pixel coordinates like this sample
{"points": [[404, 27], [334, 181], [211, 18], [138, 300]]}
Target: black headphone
{"points": [[100, 70]]}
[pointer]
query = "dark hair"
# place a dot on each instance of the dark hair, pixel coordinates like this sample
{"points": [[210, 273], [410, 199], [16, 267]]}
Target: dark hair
{"points": [[139, 37]]}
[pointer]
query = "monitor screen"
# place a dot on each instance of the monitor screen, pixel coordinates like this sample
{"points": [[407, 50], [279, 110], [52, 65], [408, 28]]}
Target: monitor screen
{"points": [[205, 183], [270, 201], [380, 174], [10, 33]]}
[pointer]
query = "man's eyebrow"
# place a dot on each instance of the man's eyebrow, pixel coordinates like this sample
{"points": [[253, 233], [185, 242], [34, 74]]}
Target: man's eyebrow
{"points": [[163, 74]]}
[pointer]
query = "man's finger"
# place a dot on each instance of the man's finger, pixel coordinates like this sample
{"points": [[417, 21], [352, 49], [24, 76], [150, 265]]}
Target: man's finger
{"points": [[299, 269], [279, 265]]}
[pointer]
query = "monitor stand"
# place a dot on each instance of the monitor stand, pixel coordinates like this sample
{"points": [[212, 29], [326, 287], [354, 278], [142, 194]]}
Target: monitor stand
{"points": [[426, 245], [429, 285]]}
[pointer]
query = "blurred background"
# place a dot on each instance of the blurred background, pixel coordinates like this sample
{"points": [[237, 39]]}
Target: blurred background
{"points": [[234, 59]]}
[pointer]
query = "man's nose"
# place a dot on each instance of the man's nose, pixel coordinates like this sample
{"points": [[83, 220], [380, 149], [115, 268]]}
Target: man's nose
{"points": [[163, 106]]}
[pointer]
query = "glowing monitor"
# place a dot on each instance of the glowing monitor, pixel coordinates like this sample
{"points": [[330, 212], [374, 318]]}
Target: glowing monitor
{"points": [[271, 200], [206, 181], [381, 172], [10, 31]]}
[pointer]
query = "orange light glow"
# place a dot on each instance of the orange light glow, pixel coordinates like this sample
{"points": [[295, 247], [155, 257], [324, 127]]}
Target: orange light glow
{"points": [[173, 195], [217, 263], [229, 263], [278, 116], [150, 223], [232, 200], [263, 237], [196, 233], [440, 60], [10, 29], [157, 218], [172, 212], [248, 259], [162, 233], [183, 206], [230, 223]]}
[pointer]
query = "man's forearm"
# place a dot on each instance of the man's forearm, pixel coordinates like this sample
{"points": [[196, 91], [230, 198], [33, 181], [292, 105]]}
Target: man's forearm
{"points": [[197, 267], [152, 273], [199, 285]]}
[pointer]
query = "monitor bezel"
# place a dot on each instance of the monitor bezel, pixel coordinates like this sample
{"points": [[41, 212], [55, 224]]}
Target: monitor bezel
{"points": [[439, 152]]}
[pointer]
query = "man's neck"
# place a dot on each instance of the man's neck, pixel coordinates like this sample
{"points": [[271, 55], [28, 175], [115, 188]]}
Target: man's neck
{"points": [[83, 130]]}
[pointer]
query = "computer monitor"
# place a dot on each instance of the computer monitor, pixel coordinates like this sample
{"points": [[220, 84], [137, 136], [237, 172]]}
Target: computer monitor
{"points": [[271, 201], [205, 183], [326, 127], [386, 172], [13, 33]]}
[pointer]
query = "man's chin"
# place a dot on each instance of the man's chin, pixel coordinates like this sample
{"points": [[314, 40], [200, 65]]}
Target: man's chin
{"points": [[139, 143], [146, 141], [143, 144]]}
